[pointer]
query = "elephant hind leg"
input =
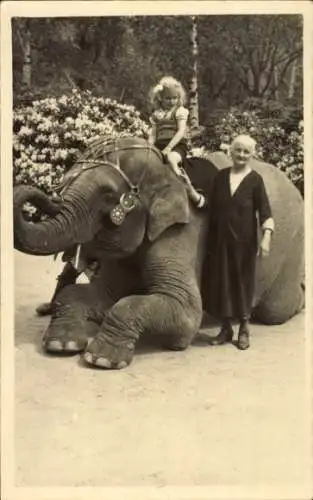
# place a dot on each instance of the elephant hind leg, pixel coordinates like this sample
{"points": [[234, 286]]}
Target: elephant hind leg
{"points": [[187, 327], [285, 298], [70, 327]]}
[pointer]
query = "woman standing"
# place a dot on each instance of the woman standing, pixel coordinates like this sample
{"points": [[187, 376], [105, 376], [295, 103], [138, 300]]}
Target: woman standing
{"points": [[239, 203]]}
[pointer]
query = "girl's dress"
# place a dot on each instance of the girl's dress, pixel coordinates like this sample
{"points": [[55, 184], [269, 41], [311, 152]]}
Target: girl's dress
{"points": [[229, 272], [166, 123]]}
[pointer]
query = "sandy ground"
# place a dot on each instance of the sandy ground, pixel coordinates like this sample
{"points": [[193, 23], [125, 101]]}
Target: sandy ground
{"points": [[210, 415]]}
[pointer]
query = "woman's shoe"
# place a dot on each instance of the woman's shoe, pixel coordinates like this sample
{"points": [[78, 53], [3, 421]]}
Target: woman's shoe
{"points": [[225, 335], [243, 338]]}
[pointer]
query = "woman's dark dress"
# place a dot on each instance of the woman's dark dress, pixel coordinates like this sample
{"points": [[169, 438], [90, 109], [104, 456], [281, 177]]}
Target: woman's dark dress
{"points": [[233, 244]]}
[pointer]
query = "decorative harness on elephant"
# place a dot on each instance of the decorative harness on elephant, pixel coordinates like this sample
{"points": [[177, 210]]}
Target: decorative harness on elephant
{"points": [[128, 200]]}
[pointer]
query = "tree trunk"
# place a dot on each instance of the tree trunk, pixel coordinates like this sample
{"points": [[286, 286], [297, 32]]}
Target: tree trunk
{"points": [[276, 84], [27, 61], [193, 90], [293, 79]]}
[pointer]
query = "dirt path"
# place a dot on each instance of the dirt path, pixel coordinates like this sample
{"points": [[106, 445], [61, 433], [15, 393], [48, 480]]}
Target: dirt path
{"points": [[204, 416]]}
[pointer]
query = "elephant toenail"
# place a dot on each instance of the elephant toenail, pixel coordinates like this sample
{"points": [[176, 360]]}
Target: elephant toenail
{"points": [[88, 358], [71, 345], [103, 363], [121, 365], [54, 345]]}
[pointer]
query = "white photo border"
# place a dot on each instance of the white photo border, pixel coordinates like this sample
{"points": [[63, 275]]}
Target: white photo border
{"points": [[11, 9]]}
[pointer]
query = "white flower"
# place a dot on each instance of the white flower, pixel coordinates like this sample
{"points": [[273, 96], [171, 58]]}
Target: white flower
{"points": [[41, 138], [45, 125], [18, 162], [63, 154], [53, 139], [78, 122], [225, 148], [69, 119], [25, 131], [63, 100]]}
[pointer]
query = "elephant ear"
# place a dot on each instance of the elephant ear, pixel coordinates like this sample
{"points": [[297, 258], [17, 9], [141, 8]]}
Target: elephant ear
{"points": [[170, 205]]}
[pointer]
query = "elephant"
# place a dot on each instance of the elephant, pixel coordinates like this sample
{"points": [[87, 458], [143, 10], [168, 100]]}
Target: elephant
{"points": [[125, 208]]}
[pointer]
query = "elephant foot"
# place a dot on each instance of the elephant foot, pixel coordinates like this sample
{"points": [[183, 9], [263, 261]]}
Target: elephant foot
{"points": [[44, 309], [109, 353], [67, 335], [60, 342], [176, 343]]}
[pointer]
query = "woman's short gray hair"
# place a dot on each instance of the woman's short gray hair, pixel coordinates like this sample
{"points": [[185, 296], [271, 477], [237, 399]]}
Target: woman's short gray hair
{"points": [[245, 139]]}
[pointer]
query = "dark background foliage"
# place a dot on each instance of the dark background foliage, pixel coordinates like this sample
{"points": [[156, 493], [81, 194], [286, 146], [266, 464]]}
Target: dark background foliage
{"points": [[246, 63], [239, 57]]}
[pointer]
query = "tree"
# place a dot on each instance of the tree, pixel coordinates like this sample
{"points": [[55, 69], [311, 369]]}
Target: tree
{"points": [[221, 60], [258, 50], [193, 89], [23, 34]]}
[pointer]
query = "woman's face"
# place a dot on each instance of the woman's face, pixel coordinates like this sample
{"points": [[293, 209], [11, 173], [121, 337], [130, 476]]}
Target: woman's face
{"points": [[169, 101], [241, 154]]}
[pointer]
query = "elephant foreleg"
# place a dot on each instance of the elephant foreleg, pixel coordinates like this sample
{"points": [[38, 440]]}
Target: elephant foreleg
{"points": [[70, 325], [113, 346], [79, 310], [67, 277]]}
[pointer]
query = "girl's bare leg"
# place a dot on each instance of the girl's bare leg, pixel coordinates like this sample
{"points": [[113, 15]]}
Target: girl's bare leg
{"points": [[174, 159]]}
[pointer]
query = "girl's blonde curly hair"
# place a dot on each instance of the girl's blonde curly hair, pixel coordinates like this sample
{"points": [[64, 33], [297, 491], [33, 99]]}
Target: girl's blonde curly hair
{"points": [[167, 84]]}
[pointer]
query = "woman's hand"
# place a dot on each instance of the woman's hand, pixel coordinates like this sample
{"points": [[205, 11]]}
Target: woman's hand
{"points": [[185, 177], [265, 244]]}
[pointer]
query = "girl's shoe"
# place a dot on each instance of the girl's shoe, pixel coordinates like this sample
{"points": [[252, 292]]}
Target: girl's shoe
{"points": [[225, 335], [243, 338]]}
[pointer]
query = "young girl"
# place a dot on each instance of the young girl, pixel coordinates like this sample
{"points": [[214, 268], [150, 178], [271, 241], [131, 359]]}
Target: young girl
{"points": [[169, 128], [238, 195], [169, 121]]}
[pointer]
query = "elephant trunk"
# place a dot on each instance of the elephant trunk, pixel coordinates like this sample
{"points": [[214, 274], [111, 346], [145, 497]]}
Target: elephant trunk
{"points": [[69, 223]]}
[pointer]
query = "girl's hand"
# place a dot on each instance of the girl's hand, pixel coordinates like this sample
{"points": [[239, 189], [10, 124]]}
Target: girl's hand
{"points": [[166, 151]]}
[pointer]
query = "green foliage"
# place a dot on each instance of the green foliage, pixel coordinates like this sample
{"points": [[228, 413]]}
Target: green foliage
{"points": [[121, 57], [50, 134], [279, 140], [286, 114]]}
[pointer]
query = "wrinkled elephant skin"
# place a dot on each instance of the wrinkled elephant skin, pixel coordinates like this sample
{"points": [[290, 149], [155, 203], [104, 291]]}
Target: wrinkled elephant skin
{"points": [[151, 265]]}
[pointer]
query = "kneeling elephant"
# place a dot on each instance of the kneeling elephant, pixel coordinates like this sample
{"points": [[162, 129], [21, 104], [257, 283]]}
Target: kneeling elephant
{"points": [[130, 212]]}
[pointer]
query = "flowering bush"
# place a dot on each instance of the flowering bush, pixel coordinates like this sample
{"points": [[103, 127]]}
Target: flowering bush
{"points": [[50, 134], [275, 145]]}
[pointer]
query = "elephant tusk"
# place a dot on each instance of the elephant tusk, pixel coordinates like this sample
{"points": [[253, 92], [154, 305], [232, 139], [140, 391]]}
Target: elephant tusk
{"points": [[77, 256]]}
